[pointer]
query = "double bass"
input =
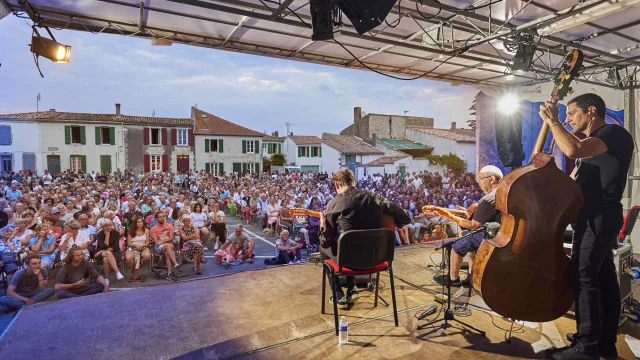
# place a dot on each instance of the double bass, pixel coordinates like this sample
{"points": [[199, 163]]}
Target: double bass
{"points": [[523, 273]]}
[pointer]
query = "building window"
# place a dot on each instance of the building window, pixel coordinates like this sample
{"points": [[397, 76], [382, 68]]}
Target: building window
{"points": [[250, 168], [5, 135], [156, 162], [350, 159], [76, 161], [214, 145], [155, 136], [182, 137], [315, 151], [76, 135], [303, 151], [106, 135], [265, 148], [251, 146]]}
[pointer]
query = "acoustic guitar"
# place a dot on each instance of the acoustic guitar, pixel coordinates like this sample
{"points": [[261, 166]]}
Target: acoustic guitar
{"points": [[387, 220], [465, 213]]}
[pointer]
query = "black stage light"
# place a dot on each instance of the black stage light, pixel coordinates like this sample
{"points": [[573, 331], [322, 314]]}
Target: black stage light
{"points": [[365, 14], [321, 19], [524, 57], [50, 49]]}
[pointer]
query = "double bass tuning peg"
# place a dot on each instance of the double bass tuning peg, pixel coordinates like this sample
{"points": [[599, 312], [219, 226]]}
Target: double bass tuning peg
{"points": [[570, 90]]}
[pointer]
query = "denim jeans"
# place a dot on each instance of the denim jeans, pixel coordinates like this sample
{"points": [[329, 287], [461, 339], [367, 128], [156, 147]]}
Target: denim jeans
{"points": [[285, 256], [12, 303], [83, 291]]}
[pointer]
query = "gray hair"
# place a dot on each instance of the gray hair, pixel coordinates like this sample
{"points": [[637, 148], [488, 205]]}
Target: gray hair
{"points": [[73, 224], [106, 222], [492, 171], [284, 231]]}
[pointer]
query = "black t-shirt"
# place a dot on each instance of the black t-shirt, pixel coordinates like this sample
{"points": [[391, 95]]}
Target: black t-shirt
{"points": [[602, 178], [486, 211]]}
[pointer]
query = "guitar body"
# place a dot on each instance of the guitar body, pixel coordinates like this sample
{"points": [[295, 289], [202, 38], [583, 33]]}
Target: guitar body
{"points": [[387, 220]]}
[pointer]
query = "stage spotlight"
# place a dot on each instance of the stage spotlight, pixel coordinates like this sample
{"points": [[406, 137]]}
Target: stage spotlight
{"points": [[365, 14], [523, 57], [50, 49], [321, 19], [508, 104]]}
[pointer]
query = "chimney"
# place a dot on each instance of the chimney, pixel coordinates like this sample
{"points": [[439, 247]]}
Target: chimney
{"points": [[117, 109], [453, 125], [375, 139], [357, 114], [276, 134], [52, 109]]}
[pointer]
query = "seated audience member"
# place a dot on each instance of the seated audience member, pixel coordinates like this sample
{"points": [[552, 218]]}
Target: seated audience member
{"points": [[300, 224], [273, 214], [162, 235], [237, 246], [199, 220], [263, 203], [73, 236], [218, 225], [27, 286], [137, 253], [285, 218], [20, 237], [287, 250], [8, 255], [190, 238], [70, 281], [43, 245], [109, 249]]}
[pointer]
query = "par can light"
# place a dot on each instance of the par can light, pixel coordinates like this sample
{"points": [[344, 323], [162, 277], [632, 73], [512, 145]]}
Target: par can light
{"points": [[50, 49]]}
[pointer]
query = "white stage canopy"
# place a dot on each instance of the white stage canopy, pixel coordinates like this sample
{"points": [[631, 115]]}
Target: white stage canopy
{"points": [[453, 40]]}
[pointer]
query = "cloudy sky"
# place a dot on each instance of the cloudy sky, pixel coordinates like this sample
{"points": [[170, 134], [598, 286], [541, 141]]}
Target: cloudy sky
{"points": [[257, 92]]}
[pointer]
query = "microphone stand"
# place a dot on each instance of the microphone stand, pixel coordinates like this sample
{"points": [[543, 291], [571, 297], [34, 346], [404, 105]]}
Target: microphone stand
{"points": [[448, 313]]}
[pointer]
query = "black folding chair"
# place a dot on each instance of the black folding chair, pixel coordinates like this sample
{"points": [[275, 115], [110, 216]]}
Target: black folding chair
{"points": [[361, 252]]}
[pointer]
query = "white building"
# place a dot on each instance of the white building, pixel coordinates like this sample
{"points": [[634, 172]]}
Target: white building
{"points": [[461, 142], [224, 147], [340, 151], [20, 143], [304, 151]]}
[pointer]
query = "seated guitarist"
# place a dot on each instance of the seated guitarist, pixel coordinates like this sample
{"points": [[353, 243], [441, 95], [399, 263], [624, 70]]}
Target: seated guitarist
{"points": [[488, 179], [352, 209]]}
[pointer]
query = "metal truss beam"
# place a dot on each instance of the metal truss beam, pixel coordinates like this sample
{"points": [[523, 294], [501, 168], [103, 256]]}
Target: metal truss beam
{"points": [[283, 6], [240, 23]]}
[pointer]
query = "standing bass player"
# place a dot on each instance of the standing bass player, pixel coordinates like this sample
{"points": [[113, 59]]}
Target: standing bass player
{"points": [[602, 163]]}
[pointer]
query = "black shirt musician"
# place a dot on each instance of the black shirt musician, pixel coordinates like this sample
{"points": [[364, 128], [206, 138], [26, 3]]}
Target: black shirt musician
{"points": [[603, 159], [488, 178], [352, 209]]}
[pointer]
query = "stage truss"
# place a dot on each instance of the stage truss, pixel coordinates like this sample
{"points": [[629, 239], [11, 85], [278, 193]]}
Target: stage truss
{"points": [[455, 41]]}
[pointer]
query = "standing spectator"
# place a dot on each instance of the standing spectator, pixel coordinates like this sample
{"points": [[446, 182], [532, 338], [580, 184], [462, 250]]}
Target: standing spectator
{"points": [[70, 281], [27, 286]]}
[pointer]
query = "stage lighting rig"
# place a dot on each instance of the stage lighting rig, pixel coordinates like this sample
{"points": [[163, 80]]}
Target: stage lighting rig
{"points": [[50, 49], [322, 13], [523, 45], [508, 104], [365, 14]]}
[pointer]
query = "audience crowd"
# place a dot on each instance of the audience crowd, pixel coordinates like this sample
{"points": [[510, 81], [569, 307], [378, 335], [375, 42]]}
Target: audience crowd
{"points": [[88, 227]]}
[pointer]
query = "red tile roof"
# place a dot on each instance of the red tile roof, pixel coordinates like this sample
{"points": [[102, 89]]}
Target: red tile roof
{"points": [[348, 144], [305, 140], [273, 138], [458, 135], [385, 160], [208, 124], [58, 116]]}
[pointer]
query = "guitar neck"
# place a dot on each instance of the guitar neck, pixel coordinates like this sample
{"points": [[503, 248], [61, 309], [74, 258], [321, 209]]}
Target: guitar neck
{"points": [[544, 130], [455, 212]]}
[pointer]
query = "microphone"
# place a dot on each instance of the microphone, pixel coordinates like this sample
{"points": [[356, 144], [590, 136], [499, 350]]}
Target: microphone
{"points": [[491, 230], [430, 311]]}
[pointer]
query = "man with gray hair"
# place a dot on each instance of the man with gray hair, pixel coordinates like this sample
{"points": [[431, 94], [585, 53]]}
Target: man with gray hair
{"points": [[488, 178]]}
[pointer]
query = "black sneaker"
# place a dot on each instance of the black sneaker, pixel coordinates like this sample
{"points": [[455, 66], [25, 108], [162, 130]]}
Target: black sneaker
{"points": [[466, 281], [172, 277], [606, 351], [353, 295], [573, 353], [342, 302], [445, 280]]}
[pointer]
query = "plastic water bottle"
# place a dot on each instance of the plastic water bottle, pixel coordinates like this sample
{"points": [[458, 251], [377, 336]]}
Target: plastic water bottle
{"points": [[344, 331]]}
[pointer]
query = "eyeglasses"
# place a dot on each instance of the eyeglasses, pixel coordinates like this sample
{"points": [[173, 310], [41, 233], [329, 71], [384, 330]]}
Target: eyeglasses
{"points": [[484, 177]]}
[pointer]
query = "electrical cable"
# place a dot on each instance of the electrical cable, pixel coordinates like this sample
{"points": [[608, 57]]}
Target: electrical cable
{"points": [[473, 8], [397, 22], [430, 16]]}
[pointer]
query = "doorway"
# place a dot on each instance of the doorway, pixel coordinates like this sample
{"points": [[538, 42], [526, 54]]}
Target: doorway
{"points": [[53, 164], [182, 163], [6, 161]]}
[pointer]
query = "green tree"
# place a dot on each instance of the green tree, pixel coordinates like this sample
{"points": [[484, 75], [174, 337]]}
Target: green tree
{"points": [[450, 161], [278, 159]]}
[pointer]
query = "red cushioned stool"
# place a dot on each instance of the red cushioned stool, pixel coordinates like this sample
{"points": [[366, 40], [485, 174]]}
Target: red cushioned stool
{"points": [[361, 252]]}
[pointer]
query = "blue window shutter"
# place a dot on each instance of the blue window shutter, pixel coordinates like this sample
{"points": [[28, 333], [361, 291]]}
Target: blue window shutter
{"points": [[5, 135]]}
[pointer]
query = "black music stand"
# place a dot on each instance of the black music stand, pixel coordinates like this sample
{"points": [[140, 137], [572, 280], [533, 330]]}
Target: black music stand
{"points": [[448, 313]]}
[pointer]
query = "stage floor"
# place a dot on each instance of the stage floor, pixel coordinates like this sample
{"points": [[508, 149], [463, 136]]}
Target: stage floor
{"points": [[271, 313]]}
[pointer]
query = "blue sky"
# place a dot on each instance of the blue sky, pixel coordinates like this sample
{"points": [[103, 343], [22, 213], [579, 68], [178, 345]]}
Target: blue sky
{"points": [[257, 92]]}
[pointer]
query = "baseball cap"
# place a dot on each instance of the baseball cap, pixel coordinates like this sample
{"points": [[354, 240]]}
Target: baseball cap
{"points": [[55, 211]]}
